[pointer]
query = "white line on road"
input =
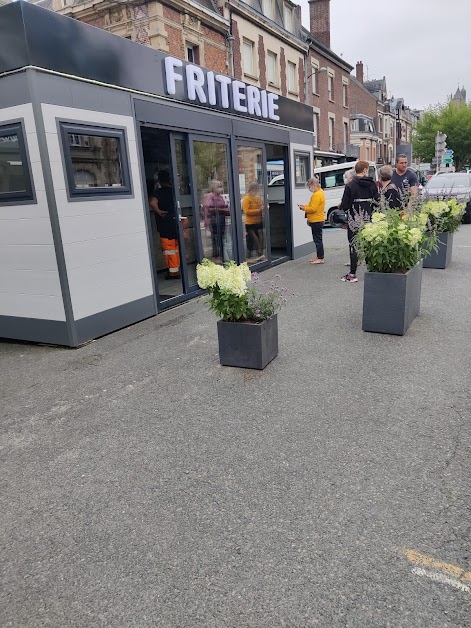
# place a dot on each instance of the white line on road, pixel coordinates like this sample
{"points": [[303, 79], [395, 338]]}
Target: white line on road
{"points": [[439, 577]]}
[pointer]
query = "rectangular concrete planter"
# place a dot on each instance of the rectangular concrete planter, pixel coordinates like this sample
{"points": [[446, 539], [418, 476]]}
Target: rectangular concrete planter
{"points": [[442, 257], [248, 345], [391, 301]]}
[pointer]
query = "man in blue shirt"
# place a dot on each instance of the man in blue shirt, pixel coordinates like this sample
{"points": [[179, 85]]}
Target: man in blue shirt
{"points": [[404, 178]]}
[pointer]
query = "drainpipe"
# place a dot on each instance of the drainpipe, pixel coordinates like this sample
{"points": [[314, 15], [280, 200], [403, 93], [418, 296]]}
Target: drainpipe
{"points": [[230, 46]]}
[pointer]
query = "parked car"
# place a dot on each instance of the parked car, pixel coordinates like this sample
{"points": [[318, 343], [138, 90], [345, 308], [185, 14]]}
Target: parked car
{"points": [[446, 185]]}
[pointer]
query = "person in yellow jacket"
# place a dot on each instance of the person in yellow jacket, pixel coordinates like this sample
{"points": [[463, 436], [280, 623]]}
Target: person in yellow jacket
{"points": [[315, 214], [252, 206]]}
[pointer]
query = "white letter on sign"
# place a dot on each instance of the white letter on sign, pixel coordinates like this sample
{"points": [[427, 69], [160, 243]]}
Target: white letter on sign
{"points": [[253, 100], [195, 82], [224, 81], [170, 75], [272, 98], [238, 96]]}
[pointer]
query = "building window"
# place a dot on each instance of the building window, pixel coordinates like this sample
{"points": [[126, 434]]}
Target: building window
{"points": [[292, 82], [345, 94], [316, 129], [248, 58], [331, 134], [15, 175], [96, 161], [271, 68], [330, 84], [314, 77], [269, 9], [288, 17], [301, 169], [345, 135], [192, 53]]}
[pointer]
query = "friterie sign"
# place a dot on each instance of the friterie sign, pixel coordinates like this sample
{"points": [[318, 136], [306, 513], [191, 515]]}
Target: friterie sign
{"points": [[207, 88]]}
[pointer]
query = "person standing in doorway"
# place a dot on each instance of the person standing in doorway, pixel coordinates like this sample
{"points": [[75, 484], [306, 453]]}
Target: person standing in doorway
{"points": [[215, 211], [315, 214], [405, 179], [358, 201], [162, 203], [252, 206]]}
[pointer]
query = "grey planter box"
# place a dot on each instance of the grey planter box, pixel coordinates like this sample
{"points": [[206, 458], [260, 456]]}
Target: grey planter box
{"points": [[442, 257], [248, 345], [391, 301]]}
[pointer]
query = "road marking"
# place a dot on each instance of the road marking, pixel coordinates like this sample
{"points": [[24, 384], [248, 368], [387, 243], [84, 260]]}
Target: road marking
{"points": [[439, 577], [427, 561], [439, 571]]}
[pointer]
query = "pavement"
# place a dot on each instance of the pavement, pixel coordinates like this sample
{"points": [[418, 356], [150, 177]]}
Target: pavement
{"points": [[145, 485]]}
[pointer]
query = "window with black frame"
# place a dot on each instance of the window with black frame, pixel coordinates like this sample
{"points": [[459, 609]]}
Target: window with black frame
{"points": [[95, 160], [15, 175], [301, 169]]}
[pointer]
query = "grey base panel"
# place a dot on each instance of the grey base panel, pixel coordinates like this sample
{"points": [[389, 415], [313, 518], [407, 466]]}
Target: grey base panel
{"points": [[304, 249], [34, 330], [103, 323]]}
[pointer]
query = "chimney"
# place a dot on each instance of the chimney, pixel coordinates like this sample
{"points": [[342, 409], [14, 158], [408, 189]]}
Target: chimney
{"points": [[319, 18], [359, 72]]}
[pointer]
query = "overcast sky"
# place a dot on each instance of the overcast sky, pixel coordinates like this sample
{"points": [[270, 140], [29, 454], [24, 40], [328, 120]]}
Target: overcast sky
{"points": [[422, 47]]}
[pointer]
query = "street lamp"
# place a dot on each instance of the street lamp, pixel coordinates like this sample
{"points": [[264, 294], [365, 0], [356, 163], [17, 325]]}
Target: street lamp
{"points": [[316, 71]]}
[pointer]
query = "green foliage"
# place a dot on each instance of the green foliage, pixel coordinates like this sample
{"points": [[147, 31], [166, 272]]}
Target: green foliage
{"points": [[452, 119]]}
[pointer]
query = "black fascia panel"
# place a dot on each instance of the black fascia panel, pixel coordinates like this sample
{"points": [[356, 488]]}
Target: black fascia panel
{"points": [[54, 42]]}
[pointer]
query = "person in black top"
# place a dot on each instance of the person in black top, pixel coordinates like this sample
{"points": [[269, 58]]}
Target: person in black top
{"points": [[162, 203], [388, 190], [359, 199]]}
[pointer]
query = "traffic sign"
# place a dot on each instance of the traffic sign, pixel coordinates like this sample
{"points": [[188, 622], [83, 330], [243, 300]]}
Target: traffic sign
{"points": [[448, 151], [448, 159]]}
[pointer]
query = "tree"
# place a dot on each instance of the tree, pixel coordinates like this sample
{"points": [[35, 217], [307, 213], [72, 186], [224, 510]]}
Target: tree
{"points": [[452, 119]]}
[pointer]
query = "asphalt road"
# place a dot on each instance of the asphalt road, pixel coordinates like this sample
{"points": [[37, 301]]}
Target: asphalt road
{"points": [[145, 485]]}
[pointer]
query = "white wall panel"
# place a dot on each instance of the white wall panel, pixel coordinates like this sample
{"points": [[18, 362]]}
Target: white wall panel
{"points": [[37, 282], [32, 306], [112, 295], [25, 231], [29, 257], [95, 226], [29, 278], [89, 278], [77, 254], [104, 240]]}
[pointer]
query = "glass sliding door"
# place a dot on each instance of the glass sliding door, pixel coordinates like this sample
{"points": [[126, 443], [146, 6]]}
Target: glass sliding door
{"points": [[279, 204], [252, 202], [211, 178], [185, 211]]}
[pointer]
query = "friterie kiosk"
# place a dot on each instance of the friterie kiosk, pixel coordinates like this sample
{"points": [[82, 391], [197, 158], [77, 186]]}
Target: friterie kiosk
{"points": [[93, 127]]}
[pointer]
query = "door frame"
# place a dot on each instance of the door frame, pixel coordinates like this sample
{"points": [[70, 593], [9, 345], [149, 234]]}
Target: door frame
{"points": [[215, 139]]}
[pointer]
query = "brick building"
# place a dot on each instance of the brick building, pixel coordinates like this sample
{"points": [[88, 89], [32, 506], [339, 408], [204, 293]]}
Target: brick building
{"points": [[193, 31], [327, 90], [363, 113]]}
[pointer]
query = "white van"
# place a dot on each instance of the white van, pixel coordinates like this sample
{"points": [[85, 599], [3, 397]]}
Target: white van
{"points": [[332, 180]]}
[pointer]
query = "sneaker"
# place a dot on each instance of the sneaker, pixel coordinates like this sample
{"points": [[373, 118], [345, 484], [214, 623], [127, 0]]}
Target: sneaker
{"points": [[349, 277]]}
